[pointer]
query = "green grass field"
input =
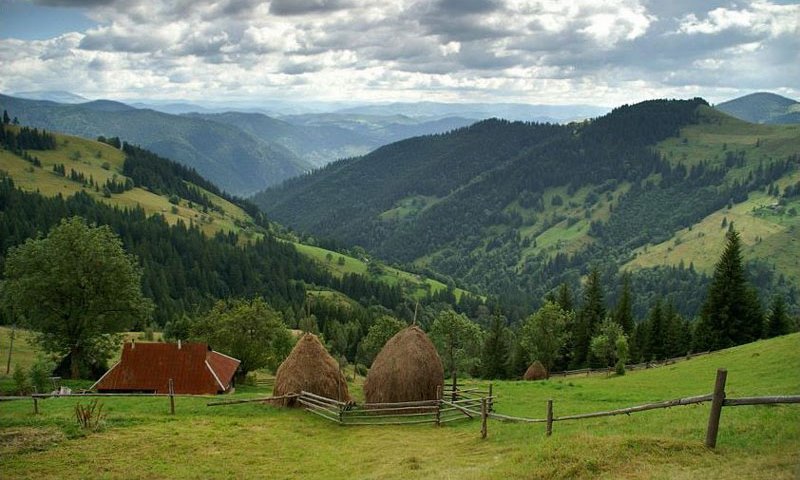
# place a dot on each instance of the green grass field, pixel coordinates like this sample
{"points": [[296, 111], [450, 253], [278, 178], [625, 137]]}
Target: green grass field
{"points": [[141, 440]]}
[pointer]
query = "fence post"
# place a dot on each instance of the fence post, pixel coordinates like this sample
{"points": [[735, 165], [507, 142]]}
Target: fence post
{"points": [[171, 398], [438, 405], [549, 417], [491, 399], [35, 405], [483, 418], [717, 400]]}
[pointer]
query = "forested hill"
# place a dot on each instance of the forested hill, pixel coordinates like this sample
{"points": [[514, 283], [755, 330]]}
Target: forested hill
{"points": [[517, 208]]}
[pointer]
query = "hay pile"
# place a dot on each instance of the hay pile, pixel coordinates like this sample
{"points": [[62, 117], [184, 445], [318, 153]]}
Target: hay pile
{"points": [[310, 367], [407, 369], [536, 372]]}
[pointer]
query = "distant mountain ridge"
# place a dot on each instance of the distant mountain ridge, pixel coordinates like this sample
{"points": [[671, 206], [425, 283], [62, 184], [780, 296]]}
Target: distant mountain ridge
{"points": [[763, 107], [237, 162]]}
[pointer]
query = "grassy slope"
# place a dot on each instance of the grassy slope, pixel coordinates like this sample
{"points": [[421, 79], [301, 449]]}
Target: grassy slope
{"points": [[258, 441], [87, 157], [768, 233], [417, 285]]}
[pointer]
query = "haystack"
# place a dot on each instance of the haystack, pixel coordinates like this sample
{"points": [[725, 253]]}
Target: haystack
{"points": [[310, 367], [536, 372], [407, 369]]}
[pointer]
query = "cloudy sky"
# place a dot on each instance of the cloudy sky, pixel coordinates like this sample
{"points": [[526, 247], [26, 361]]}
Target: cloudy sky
{"points": [[534, 51]]}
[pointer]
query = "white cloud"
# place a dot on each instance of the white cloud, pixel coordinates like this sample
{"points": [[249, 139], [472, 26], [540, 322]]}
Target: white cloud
{"points": [[543, 51]]}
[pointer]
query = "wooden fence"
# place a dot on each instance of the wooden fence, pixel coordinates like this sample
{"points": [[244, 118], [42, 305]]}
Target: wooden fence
{"points": [[631, 367], [717, 398], [401, 413]]}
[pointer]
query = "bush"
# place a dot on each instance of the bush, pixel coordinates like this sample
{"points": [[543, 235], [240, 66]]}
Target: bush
{"points": [[21, 384], [619, 368], [40, 375]]}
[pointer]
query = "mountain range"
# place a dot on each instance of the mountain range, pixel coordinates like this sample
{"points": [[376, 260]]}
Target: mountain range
{"points": [[515, 208], [763, 107]]}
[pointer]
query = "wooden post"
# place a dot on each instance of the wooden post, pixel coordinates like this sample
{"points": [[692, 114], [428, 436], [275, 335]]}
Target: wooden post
{"points": [[491, 399], [171, 397], [438, 405], [484, 415], [10, 349], [35, 406], [549, 417], [455, 385], [717, 401]]}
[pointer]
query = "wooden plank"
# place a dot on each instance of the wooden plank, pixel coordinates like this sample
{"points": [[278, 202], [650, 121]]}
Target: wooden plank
{"points": [[412, 422], [780, 399], [332, 419], [321, 398], [347, 414], [307, 402], [420, 403], [250, 400], [639, 408], [432, 408], [459, 408]]}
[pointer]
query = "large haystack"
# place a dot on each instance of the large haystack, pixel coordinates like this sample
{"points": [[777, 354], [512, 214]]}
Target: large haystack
{"points": [[407, 369], [310, 367], [536, 372]]}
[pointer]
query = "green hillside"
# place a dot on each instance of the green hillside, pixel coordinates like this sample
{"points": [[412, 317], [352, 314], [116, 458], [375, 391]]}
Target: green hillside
{"points": [[769, 221], [257, 440], [102, 162], [515, 209]]}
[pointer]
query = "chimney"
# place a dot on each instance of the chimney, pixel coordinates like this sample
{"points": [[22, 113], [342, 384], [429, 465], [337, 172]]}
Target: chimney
{"points": [[179, 344]]}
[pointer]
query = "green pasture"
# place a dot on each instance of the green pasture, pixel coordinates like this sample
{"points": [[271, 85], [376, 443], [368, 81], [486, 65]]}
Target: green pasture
{"points": [[140, 439]]}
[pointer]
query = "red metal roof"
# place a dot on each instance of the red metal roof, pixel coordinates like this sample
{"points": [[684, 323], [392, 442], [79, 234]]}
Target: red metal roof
{"points": [[193, 368]]}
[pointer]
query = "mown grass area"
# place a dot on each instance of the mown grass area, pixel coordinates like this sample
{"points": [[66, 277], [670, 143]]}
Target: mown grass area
{"points": [[339, 265], [768, 232], [141, 439]]}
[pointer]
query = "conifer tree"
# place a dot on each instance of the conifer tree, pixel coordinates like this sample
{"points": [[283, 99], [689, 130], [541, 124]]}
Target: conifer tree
{"points": [[731, 314], [564, 298], [778, 319], [592, 313], [495, 348], [623, 314]]}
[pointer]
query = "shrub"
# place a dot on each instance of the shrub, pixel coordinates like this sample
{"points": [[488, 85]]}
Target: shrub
{"points": [[21, 384]]}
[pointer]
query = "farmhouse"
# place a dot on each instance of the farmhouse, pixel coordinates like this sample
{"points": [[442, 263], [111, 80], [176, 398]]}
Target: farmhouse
{"points": [[147, 367]]}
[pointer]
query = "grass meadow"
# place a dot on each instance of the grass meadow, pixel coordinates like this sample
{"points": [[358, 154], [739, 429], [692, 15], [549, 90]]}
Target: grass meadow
{"points": [[140, 439]]}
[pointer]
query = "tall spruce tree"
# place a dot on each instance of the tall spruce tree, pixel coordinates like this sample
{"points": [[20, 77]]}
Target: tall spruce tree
{"points": [[656, 332], [495, 348], [778, 319], [623, 314], [593, 312], [731, 314]]}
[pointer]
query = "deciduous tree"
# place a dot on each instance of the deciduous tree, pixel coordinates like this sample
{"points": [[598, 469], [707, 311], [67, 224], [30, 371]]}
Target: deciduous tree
{"points": [[249, 330], [76, 287]]}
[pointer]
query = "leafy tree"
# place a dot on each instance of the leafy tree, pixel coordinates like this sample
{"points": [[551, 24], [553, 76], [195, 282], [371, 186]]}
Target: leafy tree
{"points": [[610, 345], [778, 319], [77, 288], [495, 348], [384, 328], [249, 330], [731, 314], [458, 340], [544, 333]]}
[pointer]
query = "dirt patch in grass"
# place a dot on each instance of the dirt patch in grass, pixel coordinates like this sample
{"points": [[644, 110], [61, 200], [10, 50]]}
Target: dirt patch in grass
{"points": [[28, 439]]}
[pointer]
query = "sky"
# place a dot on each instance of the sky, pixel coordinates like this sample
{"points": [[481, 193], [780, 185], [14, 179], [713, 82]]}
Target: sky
{"points": [[525, 51]]}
